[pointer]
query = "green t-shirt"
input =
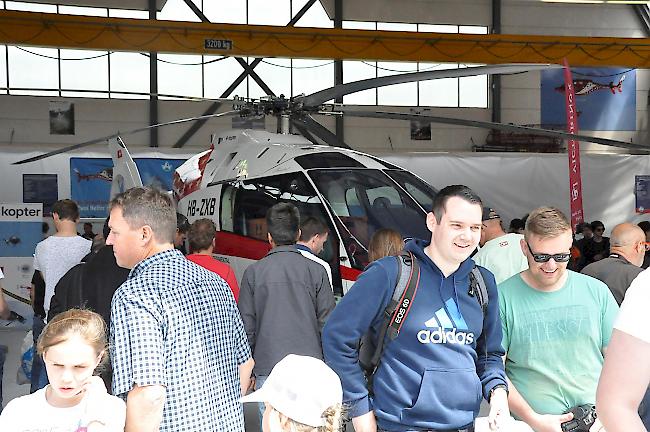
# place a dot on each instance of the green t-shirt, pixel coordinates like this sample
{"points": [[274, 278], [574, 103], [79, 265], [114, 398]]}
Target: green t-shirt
{"points": [[554, 340]]}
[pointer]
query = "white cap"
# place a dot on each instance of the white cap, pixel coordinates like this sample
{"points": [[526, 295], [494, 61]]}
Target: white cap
{"points": [[301, 388]]}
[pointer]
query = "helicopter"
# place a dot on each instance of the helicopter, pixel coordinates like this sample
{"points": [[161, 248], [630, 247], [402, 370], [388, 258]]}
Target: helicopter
{"points": [[245, 172]]}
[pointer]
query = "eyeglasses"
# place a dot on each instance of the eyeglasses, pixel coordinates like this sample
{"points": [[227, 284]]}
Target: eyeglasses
{"points": [[542, 258], [599, 230]]}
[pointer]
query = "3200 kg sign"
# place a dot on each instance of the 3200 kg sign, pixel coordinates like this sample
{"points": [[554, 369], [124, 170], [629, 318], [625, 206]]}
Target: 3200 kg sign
{"points": [[204, 207]]}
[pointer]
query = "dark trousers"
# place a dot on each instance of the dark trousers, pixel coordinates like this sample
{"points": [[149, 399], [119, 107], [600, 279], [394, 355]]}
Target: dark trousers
{"points": [[39, 374], [3, 355]]}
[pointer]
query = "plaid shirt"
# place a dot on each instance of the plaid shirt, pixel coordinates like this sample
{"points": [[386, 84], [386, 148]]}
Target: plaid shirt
{"points": [[175, 324]]}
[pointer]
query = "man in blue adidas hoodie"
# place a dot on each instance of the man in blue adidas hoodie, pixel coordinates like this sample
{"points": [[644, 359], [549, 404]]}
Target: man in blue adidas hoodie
{"points": [[447, 356]]}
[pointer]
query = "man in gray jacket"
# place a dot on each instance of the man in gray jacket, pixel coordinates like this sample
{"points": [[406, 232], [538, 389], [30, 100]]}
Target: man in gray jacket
{"points": [[284, 298]]}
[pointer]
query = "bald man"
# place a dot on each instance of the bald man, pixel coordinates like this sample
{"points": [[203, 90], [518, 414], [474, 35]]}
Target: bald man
{"points": [[627, 250]]}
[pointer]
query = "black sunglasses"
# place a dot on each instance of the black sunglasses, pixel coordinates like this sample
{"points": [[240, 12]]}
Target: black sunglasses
{"points": [[542, 258]]}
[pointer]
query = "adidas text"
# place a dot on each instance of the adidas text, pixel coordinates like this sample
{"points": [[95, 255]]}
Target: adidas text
{"points": [[441, 336]]}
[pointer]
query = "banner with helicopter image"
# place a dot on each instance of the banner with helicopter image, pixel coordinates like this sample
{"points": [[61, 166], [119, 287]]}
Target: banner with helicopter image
{"points": [[90, 181], [20, 231], [605, 98]]}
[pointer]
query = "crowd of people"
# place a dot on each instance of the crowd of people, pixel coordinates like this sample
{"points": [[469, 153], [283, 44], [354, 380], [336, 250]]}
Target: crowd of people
{"points": [[527, 320]]}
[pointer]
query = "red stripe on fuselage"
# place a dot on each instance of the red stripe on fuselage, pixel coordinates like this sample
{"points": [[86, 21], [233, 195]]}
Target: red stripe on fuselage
{"points": [[348, 273], [245, 247], [240, 246]]}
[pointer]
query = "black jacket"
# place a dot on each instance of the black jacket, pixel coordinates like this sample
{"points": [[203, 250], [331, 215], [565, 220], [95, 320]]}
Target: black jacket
{"points": [[284, 300], [89, 284]]}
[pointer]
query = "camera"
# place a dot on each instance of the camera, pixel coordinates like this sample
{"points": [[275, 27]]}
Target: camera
{"points": [[583, 417]]}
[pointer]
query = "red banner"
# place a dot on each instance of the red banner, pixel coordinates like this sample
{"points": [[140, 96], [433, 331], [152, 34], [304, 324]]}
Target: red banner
{"points": [[573, 149]]}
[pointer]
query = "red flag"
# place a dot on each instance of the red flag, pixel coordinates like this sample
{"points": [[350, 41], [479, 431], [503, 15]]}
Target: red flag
{"points": [[573, 149]]}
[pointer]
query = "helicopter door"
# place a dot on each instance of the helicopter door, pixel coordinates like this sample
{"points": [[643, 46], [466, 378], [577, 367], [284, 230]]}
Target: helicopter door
{"points": [[243, 208]]}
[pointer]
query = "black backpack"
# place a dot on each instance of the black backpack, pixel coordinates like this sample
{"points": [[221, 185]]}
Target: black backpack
{"points": [[408, 279]]}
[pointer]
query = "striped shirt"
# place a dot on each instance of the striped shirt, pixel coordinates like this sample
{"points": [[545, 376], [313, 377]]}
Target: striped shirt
{"points": [[176, 324]]}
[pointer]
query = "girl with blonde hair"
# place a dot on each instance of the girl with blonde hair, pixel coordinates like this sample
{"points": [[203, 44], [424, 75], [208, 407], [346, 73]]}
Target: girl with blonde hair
{"points": [[301, 394], [73, 345]]}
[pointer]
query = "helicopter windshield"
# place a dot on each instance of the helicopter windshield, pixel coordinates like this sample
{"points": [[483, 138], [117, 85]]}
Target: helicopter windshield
{"points": [[421, 191], [365, 200]]}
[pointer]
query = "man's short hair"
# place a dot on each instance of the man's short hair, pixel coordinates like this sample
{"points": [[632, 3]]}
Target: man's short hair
{"points": [[182, 224], [66, 209], [147, 206], [546, 222], [597, 224], [201, 235], [310, 227], [283, 223], [88, 224], [460, 191]]}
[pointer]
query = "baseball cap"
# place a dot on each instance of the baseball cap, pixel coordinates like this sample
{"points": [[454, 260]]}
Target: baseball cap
{"points": [[489, 214], [301, 388]]}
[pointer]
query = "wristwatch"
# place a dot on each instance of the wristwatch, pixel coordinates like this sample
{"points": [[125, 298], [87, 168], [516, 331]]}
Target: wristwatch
{"points": [[498, 386]]}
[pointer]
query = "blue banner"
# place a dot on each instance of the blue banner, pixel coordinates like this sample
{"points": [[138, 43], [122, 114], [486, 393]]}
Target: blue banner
{"points": [[605, 99], [90, 181]]}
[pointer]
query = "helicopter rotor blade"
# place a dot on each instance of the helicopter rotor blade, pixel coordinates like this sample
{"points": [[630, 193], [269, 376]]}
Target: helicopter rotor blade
{"points": [[321, 131], [490, 125], [331, 93], [303, 131], [130, 132]]}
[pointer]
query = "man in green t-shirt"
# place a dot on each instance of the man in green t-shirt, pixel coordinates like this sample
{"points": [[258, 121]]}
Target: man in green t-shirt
{"points": [[556, 326]]}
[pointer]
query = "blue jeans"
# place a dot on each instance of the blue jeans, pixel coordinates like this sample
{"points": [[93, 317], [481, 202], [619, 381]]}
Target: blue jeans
{"points": [[3, 354], [259, 382], [39, 374]]}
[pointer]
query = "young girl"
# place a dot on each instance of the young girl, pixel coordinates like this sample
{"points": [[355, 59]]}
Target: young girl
{"points": [[73, 344], [301, 394]]}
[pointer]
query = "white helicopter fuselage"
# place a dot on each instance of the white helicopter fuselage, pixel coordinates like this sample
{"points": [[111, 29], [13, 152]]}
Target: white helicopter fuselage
{"points": [[249, 171]]}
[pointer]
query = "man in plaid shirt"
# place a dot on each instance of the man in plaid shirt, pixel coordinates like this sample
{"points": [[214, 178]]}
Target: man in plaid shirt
{"points": [[179, 350]]}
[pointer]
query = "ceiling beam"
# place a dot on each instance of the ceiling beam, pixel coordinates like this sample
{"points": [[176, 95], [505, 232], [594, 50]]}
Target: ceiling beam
{"points": [[121, 34]]}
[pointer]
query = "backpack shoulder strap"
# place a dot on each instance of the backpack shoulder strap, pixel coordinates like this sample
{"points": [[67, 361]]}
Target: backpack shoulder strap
{"points": [[478, 288], [405, 290], [408, 277]]}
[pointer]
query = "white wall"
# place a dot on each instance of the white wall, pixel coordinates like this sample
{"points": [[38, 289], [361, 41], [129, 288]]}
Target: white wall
{"points": [[515, 184], [24, 119]]}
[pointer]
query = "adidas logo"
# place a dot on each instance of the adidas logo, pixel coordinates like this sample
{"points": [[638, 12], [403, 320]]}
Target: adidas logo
{"points": [[446, 327]]}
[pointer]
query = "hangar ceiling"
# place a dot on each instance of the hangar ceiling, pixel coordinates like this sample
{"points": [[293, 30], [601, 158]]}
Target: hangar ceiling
{"points": [[112, 4]]}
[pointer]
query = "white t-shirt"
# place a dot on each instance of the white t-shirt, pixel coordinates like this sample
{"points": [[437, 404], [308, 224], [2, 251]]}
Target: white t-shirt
{"points": [[55, 256], [633, 317], [502, 256], [2, 275], [32, 413]]}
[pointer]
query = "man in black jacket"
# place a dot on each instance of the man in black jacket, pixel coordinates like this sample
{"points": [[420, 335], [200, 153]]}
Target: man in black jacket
{"points": [[284, 298]]}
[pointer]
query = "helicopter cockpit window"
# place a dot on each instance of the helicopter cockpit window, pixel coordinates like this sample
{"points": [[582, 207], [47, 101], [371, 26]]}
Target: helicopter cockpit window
{"points": [[365, 200], [244, 204], [421, 191]]}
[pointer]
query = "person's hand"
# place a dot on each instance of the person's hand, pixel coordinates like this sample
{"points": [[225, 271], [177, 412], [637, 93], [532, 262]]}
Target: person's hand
{"points": [[365, 422], [251, 385], [95, 390], [94, 386], [499, 411], [550, 422]]}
